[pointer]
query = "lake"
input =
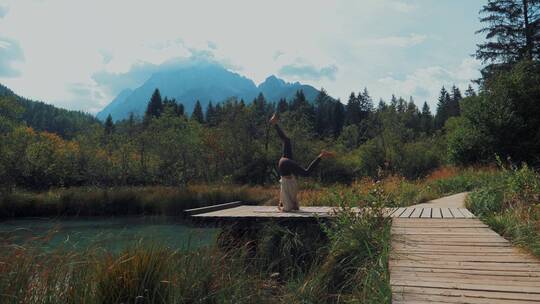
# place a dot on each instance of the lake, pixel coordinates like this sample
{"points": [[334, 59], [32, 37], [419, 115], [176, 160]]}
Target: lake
{"points": [[110, 234]]}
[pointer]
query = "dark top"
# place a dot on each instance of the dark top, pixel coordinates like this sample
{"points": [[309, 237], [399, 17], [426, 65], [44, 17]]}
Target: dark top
{"points": [[287, 166]]}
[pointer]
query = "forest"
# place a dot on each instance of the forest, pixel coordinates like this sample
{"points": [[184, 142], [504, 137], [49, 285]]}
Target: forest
{"points": [[232, 141]]}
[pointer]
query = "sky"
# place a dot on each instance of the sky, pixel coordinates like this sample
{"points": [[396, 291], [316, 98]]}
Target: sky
{"points": [[80, 54]]}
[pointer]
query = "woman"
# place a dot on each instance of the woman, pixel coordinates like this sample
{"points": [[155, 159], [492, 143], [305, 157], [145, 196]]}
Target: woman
{"points": [[288, 169]]}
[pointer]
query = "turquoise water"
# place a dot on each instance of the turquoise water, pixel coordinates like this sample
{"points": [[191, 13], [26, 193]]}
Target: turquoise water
{"points": [[108, 234]]}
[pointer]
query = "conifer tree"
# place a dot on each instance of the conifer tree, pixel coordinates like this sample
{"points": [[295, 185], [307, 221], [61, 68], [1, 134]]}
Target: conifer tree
{"points": [[453, 106], [197, 114], [155, 106], [442, 108], [109, 125], [470, 92], [426, 119], [338, 118], [352, 110], [512, 32], [211, 114], [282, 106]]}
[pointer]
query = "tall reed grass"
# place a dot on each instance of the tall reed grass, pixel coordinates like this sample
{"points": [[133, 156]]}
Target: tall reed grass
{"points": [[157, 200], [510, 204]]}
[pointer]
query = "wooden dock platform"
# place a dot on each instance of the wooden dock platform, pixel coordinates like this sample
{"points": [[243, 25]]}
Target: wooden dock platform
{"points": [[237, 212]]}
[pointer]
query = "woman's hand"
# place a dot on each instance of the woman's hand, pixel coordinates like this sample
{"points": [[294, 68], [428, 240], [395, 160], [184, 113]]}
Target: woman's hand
{"points": [[274, 119], [326, 154]]}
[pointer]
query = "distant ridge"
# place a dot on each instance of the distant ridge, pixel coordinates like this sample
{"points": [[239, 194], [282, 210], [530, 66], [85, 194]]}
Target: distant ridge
{"points": [[45, 117], [204, 81]]}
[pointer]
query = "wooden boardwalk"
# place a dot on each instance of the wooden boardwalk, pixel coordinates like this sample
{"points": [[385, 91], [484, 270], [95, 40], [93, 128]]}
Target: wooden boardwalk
{"points": [[458, 260]]}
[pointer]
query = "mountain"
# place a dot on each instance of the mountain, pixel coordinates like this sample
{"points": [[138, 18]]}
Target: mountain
{"points": [[274, 89], [204, 81], [45, 117]]}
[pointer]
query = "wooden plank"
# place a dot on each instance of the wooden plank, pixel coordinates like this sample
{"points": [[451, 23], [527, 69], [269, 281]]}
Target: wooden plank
{"points": [[466, 293], [456, 213], [441, 276], [426, 213], [468, 279], [446, 213], [398, 212], [475, 286], [407, 213], [418, 298], [436, 213], [466, 213], [524, 267], [467, 257], [502, 273], [416, 213], [212, 208]]}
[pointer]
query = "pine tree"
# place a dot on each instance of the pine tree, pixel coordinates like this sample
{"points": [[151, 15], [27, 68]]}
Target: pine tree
{"points": [[197, 114], [365, 104], [282, 106], [155, 106], [180, 110], [470, 92], [338, 118], [453, 106], [511, 29], [394, 102], [323, 113], [109, 125], [426, 119], [352, 110], [382, 105], [299, 101], [211, 115], [442, 108]]}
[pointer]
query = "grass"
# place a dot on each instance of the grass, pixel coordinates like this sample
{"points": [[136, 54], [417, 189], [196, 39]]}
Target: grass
{"points": [[91, 201], [510, 204], [399, 191]]}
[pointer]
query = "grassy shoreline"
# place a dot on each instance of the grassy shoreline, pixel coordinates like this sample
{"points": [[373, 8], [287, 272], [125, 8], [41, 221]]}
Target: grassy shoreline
{"points": [[334, 262], [171, 201], [122, 201]]}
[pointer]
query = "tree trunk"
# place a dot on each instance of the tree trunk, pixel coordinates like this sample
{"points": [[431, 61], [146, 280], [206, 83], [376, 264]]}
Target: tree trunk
{"points": [[528, 32]]}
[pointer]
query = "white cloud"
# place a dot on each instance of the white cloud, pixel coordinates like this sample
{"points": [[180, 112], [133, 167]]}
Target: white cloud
{"points": [[393, 41], [401, 6], [424, 84]]}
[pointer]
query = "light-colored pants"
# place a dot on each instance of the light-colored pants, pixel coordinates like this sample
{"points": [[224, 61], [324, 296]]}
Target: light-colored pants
{"points": [[287, 194]]}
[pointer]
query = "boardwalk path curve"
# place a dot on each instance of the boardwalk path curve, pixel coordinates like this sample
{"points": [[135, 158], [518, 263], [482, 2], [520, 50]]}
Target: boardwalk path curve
{"points": [[456, 258]]}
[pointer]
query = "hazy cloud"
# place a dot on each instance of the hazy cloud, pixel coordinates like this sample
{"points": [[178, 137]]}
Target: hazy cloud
{"points": [[307, 71], [402, 6], [10, 52], [114, 82], [394, 41], [426, 82], [3, 11]]}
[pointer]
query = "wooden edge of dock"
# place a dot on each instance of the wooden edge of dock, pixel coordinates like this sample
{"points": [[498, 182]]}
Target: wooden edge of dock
{"points": [[194, 211]]}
